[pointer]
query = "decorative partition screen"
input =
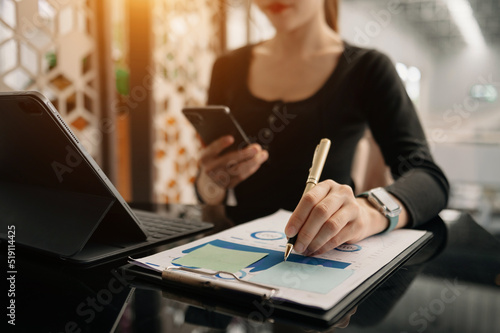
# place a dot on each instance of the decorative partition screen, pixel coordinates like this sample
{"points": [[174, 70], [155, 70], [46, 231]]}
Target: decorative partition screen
{"points": [[49, 46], [186, 41]]}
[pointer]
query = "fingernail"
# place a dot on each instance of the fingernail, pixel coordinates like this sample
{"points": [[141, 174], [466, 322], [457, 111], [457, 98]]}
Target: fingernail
{"points": [[290, 232], [264, 155], [299, 247]]}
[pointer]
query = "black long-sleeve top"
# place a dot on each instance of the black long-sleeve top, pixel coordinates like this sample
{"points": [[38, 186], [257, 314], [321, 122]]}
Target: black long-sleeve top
{"points": [[363, 90]]}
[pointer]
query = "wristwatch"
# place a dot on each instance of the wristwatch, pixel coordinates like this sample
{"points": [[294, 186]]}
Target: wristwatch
{"points": [[381, 199]]}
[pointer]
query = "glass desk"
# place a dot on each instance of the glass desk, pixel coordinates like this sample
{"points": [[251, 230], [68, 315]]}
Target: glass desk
{"points": [[452, 285]]}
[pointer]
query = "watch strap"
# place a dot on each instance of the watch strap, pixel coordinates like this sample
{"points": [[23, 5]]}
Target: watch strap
{"points": [[393, 220]]}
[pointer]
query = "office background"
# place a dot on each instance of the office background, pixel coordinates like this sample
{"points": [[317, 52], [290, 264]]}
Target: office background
{"points": [[119, 71]]}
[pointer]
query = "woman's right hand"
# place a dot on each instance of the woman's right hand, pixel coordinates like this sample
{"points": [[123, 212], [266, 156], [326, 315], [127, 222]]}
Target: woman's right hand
{"points": [[218, 173]]}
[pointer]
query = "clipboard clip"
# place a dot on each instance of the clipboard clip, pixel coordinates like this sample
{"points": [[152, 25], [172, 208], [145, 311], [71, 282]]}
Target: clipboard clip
{"points": [[203, 279]]}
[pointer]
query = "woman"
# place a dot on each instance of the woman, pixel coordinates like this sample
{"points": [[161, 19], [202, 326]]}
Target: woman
{"points": [[304, 84]]}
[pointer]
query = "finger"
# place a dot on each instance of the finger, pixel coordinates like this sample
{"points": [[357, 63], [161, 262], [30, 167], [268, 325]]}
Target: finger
{"points": [[229, 161], [215, 148], [247, 168], [320, 214], [333, 226], [303, 209], [346, 234], [247, 153], [222, 169]]}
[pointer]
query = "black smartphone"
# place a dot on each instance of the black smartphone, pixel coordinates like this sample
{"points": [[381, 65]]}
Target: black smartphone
{"points": [[214, 121]]}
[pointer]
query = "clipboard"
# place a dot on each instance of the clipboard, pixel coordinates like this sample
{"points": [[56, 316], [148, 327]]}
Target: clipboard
{"points": [[203, 292], [199, 279]]}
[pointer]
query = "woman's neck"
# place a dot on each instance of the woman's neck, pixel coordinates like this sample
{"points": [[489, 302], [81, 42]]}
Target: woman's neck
{"points": [[313, 38]]}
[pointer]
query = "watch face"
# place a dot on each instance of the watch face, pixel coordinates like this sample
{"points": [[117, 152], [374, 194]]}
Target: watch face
{"points": [[384, 198]]}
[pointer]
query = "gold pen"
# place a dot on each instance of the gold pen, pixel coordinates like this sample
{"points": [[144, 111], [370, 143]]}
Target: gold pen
{"points": [[318, 162]]}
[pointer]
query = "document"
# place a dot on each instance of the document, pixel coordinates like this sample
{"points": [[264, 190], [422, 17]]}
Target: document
{"points": [[253, 252]]}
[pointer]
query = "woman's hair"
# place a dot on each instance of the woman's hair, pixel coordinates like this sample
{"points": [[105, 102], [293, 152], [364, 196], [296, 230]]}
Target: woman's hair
{"points": [[332, 13]]}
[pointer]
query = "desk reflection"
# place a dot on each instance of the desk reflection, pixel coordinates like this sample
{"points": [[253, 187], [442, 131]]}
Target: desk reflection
{"points": [[433, 292], [208, 313]]}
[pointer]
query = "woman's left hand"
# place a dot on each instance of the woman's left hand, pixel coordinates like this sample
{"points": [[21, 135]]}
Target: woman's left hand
{"points": [[330, 215]]}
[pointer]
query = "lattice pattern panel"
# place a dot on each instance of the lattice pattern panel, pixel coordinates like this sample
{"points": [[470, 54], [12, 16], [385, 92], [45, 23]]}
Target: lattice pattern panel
{"points": [[186, 41], [49, 46]]}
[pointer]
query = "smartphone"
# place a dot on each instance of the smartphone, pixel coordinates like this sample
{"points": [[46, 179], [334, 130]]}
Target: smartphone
{"points": [[214, 121]]}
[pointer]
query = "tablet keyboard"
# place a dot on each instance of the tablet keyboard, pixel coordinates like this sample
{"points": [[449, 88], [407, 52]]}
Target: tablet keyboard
{"points": [[162, 227]]}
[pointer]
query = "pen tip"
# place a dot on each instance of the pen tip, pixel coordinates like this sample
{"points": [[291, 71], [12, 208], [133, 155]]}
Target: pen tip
{"points": [[288, 249]]}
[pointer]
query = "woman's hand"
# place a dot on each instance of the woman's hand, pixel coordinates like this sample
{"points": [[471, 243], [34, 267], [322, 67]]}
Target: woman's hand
{"points": [[221, 172], [330, 215]]}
